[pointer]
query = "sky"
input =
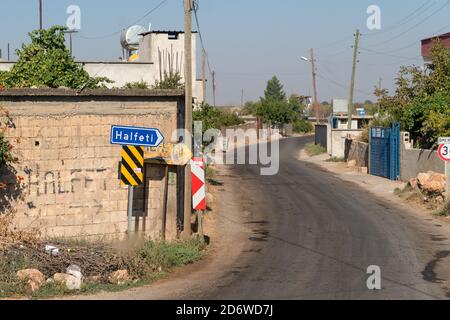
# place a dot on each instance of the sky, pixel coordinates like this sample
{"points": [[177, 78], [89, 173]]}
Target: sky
{"points": [[249, 41]]}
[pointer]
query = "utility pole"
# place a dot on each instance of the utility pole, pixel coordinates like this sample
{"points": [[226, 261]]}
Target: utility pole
{"points": [[214, 87], [9, 52], [352, 84], [188, 116], [314, 75], [70, 32], [204, 73], [242, 98], [379, 89], [40, 16]]}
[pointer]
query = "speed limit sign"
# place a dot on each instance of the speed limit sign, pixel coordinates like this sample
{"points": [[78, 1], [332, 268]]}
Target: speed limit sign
{"points": [[444, 152]]}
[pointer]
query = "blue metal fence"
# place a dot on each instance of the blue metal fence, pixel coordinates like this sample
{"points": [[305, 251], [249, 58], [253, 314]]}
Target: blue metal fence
{"points": [[385, 152]]}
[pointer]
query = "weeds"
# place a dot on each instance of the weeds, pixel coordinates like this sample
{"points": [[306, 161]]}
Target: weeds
{"points": [[444, 211], [335, 159], [145, 264], [314, 149]]}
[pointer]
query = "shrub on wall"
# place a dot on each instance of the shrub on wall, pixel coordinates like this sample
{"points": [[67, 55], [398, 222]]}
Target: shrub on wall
{"points": [[46, 62]]}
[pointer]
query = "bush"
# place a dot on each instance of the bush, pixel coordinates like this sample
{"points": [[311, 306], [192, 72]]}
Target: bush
{"points": [[314, 149], [136, 85], [215, 118], [303, 126], [46, 62], [171, 80]]}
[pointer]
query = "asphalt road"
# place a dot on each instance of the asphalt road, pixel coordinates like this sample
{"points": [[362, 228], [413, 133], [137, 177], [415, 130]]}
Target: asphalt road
{"points": [[305, 234]]}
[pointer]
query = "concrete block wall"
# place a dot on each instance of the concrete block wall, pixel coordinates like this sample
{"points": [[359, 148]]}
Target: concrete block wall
{"points": [[338, 138], [69, 170], [415, 161]]}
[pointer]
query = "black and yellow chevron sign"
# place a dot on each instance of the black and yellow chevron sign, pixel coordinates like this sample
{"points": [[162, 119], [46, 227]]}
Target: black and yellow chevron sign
{"points": [[132, 168]]}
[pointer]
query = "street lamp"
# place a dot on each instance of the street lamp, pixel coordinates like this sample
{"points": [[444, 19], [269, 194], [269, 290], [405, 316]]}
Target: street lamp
{"points": [[313, 65]]}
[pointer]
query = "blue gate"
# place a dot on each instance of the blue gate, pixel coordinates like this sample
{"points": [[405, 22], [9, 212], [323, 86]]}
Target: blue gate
{"points": [[385, 152]]}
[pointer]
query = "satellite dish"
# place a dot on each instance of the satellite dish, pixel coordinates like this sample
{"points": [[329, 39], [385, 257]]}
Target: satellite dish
{"points": [[129, 39]]}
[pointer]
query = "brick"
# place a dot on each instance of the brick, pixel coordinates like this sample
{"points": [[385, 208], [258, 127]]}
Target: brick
{"points": [[87, 153], [55, 232], [119, 216], [101, 218], [97, 141], [45, 199], [27, 132], [49, 132], [75, 220], [87, 131], [107, 152], [54, 210]]}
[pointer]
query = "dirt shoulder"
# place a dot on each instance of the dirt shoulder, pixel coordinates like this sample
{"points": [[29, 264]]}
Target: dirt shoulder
{"points": [[223, 226]]}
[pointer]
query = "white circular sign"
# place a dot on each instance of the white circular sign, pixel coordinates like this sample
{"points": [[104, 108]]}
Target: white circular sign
{"points": [[444, 152]]}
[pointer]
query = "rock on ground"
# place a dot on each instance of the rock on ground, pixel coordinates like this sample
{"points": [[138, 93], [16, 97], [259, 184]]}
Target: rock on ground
{"points": [[119, 277], [431, 182], [34, 278], [69, 281]]}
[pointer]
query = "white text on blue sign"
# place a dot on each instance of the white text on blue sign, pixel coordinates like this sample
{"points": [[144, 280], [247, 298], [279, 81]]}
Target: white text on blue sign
{"points": [[135, 136]]}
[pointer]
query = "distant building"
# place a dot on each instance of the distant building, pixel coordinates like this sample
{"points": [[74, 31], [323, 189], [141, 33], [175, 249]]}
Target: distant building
{"points": [[427, 45]]}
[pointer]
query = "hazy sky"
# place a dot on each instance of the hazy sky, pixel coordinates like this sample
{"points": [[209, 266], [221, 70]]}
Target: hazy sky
{"points": [[248, 41]]}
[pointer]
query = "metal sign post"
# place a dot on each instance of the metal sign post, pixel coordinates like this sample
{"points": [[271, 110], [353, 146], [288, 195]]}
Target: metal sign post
{"points": [[199, 190], [133, 140], [444, 154], [130, 208], [131, 175]]}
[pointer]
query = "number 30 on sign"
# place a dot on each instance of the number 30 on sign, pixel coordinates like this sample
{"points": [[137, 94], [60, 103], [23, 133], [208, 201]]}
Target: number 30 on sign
{"points": [[444, 152]]}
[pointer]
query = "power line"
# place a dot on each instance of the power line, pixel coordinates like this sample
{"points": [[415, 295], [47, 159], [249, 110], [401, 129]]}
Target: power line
{"points": [[341, 85], [414, 26], [389, 55], [136, 22], [434, 34], [195, 9], [407, 19]]}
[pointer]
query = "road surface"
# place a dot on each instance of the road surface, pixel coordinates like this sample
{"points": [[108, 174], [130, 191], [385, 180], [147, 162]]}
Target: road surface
{"points": [[305, 234]]}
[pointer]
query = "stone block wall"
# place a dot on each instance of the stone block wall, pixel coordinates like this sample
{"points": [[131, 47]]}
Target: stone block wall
{"points": [[69, 170]]}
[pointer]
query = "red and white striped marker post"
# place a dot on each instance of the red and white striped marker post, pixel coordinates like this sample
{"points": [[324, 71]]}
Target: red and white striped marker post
{"points": [[198, 190]]}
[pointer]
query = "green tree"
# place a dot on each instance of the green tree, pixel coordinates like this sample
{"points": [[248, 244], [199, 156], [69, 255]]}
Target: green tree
{"points": [[274, 90], [46, 62], [422, 98], [274, 108]]}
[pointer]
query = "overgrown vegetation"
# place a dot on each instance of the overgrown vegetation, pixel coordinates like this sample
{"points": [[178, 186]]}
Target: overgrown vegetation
{"points": [[276, 109], [314, 149], [336, 159], [171, 80], [421, 100], [444, 211], [46, 62], [215, 118], [136, 85], [144, 264], [302, 126], [5, 146]]}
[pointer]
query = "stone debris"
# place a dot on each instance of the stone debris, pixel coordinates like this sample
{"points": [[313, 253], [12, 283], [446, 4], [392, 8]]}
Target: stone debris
{"points": [[119, 277], [33, 277], [430, 183], [69, 281]]}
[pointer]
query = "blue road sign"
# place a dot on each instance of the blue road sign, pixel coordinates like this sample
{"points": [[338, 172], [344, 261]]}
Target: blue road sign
{"points": [[135, 136]]}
